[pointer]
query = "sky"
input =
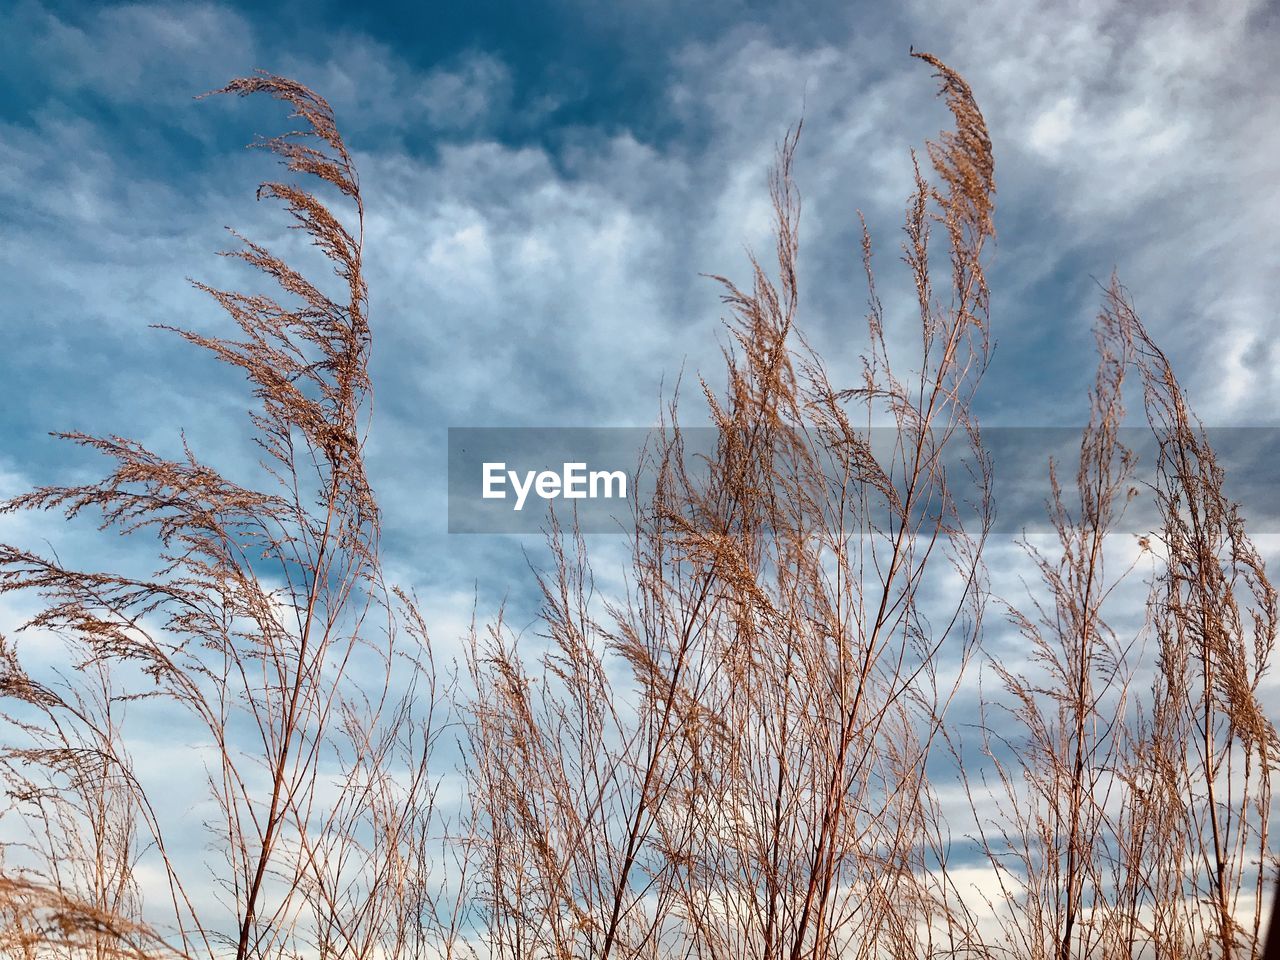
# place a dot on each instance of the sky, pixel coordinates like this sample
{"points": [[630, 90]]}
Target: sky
{"points": [[547, 186]]}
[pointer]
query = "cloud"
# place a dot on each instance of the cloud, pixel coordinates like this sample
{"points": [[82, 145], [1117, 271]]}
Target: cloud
{"points": [[530, 265], [456, 99], [142, 54], [555, 281], [1133, 138]]}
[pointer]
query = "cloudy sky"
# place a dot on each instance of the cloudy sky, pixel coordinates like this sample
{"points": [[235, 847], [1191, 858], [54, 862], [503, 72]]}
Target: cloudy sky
{"points": [[546, 184]]}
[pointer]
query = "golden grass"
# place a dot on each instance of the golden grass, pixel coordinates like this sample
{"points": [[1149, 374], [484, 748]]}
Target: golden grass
{"points": [[736, 758]]}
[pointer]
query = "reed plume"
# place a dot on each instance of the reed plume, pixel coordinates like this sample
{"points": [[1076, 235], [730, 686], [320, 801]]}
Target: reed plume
{"points": [[266, 623]]}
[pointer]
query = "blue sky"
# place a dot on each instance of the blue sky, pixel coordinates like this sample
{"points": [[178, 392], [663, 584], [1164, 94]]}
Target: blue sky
{"points": [[546, 182]]}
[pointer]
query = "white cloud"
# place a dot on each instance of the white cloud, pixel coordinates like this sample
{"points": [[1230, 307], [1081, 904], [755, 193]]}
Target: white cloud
{"points": [[454, 99], [140, 53], [541, 284]]}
